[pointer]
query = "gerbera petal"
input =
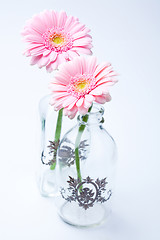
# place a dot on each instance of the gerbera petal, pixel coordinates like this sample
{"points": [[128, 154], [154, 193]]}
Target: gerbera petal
{"points": [[43, 62], [100, 68], [81, 34], [81, 42], [70, 22], [60, 59], [91, 64], [89, 98], [107, 80], [72, 104], [99, 90], [87, 104], [103, 98], [58, 87], [77, 28], [79, 102], [33, 39], [59, 104], [37, 25], [82, 110], [51, 66], [68, 101], [37, 51], [72, 54], [58, 95], [35, 59], [53, 56], [62, 19], [69, 69], [82, 50], [72, 112]]}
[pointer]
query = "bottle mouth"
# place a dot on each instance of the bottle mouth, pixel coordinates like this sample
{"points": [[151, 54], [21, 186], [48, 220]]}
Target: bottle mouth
{"points": [[94, 116]]}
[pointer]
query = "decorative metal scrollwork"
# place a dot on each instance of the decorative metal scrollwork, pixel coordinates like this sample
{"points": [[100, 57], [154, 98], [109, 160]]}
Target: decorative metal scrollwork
{"points": [[86, 192], [53, 146]]}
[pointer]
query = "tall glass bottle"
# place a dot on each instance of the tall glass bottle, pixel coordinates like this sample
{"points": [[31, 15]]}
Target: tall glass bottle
{"points": [[85, 171]]}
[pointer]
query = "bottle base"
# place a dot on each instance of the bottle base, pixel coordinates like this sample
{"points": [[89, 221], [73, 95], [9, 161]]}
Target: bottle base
{"points": [[76, 216]]}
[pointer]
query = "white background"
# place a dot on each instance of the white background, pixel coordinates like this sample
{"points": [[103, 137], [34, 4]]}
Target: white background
{"points": [[126, 33]]}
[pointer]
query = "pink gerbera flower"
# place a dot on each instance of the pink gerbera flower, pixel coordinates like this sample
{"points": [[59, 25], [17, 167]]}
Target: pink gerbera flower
{"points": [[53, 38], [80, 82]]}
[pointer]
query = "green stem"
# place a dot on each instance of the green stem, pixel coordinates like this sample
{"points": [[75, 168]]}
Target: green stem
{"points": [[57, 135], [77, 142], [58, 126]]}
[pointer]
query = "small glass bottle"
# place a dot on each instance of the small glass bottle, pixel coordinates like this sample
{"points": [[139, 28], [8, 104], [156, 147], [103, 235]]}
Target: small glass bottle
{"points": [[85, 179]]}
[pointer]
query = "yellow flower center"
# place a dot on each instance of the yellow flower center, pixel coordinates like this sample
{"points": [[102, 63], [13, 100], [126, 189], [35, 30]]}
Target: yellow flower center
{"points": [[81, 85], [58, 40]]}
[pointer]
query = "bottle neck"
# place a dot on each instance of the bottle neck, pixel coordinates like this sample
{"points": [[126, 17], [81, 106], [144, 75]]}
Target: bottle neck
{"points": [[94, 117]]}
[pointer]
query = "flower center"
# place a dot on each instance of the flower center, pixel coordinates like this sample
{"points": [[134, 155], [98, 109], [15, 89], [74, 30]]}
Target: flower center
{"points": [[80, 85], [56, 39]]}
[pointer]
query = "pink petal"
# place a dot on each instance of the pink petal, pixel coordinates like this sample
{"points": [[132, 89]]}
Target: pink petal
{"points": [[59, 104], [72, 54], [101, 68], [62, 19], [37, 25], [91, 66], [53, 56], [68, 101], [68, 69], [70, 22], [109, 81], [33, 39], [77, 28], [60, 59], [72, 104], [87, 104], [81, 42], [27, 53], [65, 111], [43, 61], [82, 50], [47, 20], [80, 34], [37, 51], [52, 66], [54, 20], [99, 90], [46, 52], [58, 88], [79, 102], [72, 113], [66, 56], [58, 95], [89, 98], [82, 110], [35, 59], [103, 98]]}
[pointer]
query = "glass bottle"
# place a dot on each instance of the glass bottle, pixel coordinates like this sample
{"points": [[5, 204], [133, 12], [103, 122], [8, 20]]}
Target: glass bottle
{"points": [[85, 179]]}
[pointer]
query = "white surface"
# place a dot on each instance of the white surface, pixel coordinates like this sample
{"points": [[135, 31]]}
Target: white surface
{"points": [[125, 33]]}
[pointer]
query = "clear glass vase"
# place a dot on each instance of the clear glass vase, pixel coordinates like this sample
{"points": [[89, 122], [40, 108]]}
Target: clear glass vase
{"points": [[48, 117], [85, 171]]}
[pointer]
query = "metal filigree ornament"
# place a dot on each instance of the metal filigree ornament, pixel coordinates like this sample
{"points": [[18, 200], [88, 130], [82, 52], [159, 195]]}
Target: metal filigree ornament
{"points": [[53, 146], [66, 152], [86, 192]]}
